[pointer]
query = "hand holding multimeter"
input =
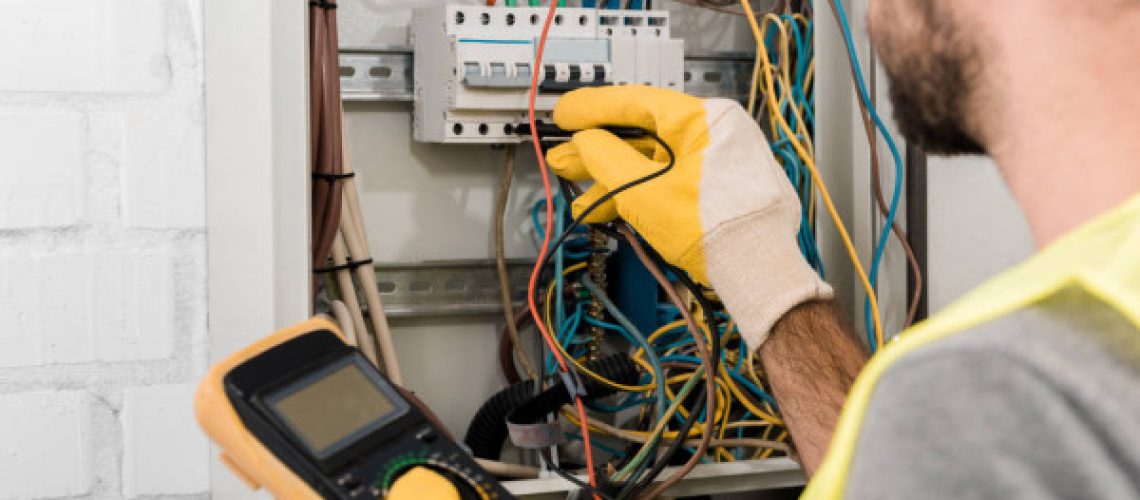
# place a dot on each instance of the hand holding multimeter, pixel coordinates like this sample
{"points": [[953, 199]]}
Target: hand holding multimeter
{"points": [[307, 416]]}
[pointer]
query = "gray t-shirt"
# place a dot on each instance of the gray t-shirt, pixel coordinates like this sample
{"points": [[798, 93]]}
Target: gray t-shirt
{"points": [[1044, 403]]}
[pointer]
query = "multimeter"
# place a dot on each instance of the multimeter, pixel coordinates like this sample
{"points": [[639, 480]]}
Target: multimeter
{"points": [[305, 415]]}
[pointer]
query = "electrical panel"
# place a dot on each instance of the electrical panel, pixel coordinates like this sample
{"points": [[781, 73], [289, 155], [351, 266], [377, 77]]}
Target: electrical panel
{"points": [[474, 64]]}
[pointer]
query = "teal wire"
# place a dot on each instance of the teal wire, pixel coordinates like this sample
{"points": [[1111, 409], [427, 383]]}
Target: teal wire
{"points": [[892, 213], [632, 330]]}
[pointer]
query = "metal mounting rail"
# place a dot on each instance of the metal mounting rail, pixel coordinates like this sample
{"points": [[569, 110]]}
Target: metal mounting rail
{"points": [[732, 477], [384, 73], [448, 288]]}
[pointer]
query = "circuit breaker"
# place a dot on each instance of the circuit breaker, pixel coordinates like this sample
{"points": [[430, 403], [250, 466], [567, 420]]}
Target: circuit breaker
{"points": [[474, 64]]}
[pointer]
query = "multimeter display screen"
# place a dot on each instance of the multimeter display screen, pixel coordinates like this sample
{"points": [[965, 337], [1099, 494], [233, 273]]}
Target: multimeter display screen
{"points": [[327, 411]]}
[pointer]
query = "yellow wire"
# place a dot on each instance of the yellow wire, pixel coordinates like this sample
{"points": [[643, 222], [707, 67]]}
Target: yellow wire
{"points": [[819, 182], [658, 333], [779, 438], [577, 364], [748, 423]]}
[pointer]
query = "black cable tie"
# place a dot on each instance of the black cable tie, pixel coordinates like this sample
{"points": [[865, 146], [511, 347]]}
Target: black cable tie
{"points": [[324, 4], [349, 266], [330, 178]]}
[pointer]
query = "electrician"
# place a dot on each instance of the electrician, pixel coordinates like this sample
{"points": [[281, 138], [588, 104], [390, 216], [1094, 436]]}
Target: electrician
{"points": [[1028, 387]]}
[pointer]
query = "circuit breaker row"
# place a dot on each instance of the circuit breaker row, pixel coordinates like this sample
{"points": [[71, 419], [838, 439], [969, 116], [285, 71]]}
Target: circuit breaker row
{"points": [[474, 65]]}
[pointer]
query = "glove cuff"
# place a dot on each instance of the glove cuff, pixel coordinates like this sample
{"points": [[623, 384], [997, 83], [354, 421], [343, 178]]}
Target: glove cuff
{"points": [[759, 272]]}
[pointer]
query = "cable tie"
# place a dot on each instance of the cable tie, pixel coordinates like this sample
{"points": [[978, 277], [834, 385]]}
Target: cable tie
{"points": [[349, 266], [330, 178], [324, 4]]}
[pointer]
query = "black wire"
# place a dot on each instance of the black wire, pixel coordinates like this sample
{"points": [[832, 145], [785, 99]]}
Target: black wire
{"points": [[715, 347], [694, 289], [607, 197], [579, 483], [674, 448]]}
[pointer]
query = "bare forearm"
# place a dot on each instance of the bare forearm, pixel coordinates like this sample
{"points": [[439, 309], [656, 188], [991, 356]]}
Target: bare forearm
{"points": [[811, 360]]}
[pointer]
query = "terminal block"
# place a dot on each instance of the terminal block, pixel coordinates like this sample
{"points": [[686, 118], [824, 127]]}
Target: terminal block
{"points": [[474, 64]]}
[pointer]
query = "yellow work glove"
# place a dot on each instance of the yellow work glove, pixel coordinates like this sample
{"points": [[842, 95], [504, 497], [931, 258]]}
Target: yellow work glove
{"points": [[726, 213]]}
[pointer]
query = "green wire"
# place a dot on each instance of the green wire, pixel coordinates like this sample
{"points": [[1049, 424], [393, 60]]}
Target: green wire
{"points": [[643, 453]]}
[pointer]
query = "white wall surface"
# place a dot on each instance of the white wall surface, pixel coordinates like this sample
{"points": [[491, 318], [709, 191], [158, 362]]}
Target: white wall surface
{"points": [[976, 229], [102, 248]]}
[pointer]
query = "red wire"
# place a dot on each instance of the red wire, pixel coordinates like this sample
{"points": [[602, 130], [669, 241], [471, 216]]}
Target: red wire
{"points": [[549, 225]]}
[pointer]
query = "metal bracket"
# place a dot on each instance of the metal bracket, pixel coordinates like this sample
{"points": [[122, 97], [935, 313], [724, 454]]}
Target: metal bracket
{"points": [[448, 287], [376, 74], [721, 75], [384, 73]]}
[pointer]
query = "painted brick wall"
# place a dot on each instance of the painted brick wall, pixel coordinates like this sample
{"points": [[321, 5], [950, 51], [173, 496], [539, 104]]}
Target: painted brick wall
{"points": [[102, 249]]}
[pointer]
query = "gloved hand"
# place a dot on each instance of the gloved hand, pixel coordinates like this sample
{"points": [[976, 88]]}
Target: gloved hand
{"points": [[726, 213]]}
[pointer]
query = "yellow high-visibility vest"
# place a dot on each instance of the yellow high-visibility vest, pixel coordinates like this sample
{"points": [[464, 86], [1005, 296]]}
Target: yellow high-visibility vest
{"points": [[1101, 258]]}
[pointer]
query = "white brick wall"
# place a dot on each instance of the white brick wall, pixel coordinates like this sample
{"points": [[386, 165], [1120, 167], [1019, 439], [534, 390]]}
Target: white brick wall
{"points": [[163, 450], [102, 249], [42, 448]]}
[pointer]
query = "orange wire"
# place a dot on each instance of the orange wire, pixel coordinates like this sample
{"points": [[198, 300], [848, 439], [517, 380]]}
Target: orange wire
{"points": [[549, 226]]}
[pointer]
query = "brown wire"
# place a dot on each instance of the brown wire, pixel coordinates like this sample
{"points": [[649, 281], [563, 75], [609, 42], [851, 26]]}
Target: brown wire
{"points": [[880, 200], [706, 359], [324, 112], [507, 345], [509, 315]]}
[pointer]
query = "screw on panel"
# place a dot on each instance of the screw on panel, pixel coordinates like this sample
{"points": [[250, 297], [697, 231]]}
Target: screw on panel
{"points": [[485, 18], [534, 19], [582, 20], [510, 19], [558, 19], [459, 17], [457, 129], [483, 129]]}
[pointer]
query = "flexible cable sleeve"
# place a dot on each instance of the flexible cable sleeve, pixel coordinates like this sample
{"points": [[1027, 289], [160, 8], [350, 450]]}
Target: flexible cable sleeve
{"points": [[488, 429]]}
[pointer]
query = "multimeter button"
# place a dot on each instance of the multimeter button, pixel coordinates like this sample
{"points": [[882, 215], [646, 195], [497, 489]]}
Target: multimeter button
{"points": [[349, 481], [426, 435]]}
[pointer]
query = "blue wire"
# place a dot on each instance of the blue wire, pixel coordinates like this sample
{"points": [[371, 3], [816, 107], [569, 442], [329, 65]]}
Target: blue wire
{"points": [[752, 387], [880, 248]]}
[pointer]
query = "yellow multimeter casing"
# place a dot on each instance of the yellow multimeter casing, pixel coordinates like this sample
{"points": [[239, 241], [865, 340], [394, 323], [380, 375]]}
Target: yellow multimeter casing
{"points": [[242, 452], [306, 416]]}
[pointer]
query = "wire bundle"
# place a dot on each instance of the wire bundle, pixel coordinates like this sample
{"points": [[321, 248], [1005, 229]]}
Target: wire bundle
{"points": [[794, 62], [701, 396], [741, 421]]}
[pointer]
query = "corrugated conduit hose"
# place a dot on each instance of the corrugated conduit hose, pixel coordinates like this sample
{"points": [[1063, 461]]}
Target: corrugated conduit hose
{"points": [[488, 429]]}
